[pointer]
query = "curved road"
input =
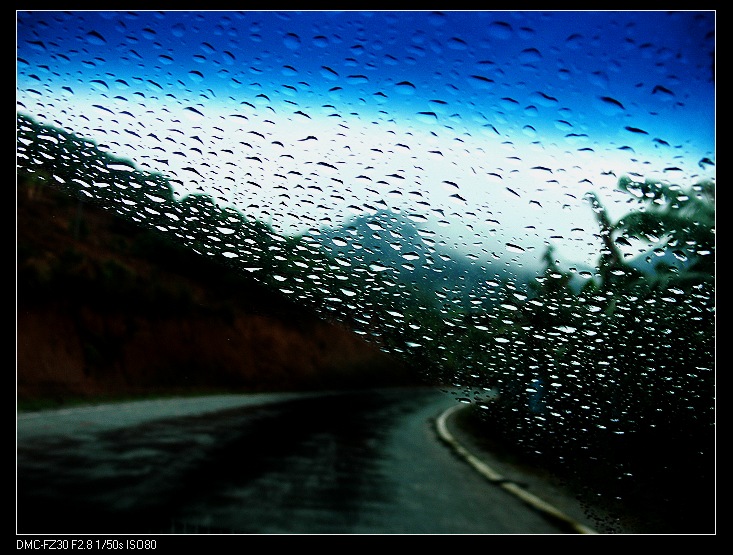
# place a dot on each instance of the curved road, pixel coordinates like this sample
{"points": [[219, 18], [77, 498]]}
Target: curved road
{"points": [[366, 462]]}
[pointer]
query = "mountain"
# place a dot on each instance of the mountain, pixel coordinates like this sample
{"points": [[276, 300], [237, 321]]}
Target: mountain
{"points": [[390, 243]]}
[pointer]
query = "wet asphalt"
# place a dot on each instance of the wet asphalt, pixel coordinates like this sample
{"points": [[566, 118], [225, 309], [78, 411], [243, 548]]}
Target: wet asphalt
{"points": [[363, 462]]}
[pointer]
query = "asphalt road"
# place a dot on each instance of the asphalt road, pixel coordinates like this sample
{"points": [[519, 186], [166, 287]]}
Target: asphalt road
{"points": [[369, 462]]}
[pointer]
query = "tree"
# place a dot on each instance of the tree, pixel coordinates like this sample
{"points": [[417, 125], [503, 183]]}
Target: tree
{"points": [[683, 219], [613, 271], [681, 222]]}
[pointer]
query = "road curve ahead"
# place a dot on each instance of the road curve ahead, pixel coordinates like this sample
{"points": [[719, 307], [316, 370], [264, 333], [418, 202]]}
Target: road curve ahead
{"points": [[364, 462]]}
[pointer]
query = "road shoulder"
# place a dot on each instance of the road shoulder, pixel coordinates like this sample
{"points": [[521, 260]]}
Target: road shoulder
{"points": [[539, 488]]}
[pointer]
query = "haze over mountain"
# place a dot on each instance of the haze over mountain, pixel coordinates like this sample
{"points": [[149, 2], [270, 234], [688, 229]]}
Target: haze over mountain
{"points": [[392, 244]]}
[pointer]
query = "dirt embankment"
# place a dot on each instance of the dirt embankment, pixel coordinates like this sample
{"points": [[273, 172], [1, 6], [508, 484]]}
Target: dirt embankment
{"points": [[106, 308]]}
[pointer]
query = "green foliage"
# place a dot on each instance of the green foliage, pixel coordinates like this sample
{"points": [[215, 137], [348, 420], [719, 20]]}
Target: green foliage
{"points": [[685, 217], [621, 373], [678, 220]]}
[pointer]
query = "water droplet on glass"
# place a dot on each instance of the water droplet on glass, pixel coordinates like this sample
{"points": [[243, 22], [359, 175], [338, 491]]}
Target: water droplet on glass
{"points": [[292, 41]]}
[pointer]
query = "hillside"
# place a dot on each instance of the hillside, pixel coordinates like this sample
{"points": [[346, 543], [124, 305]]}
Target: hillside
{"points": [[106, 308]]}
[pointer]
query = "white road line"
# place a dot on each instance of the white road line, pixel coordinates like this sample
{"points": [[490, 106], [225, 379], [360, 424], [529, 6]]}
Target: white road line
{"points": [[493, 476]]}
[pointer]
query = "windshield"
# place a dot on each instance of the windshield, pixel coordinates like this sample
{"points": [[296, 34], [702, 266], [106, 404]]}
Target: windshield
{"points": [[514, 207]]}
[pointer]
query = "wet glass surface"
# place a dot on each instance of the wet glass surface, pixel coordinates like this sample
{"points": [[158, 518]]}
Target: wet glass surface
{"points": [[518, 205]]}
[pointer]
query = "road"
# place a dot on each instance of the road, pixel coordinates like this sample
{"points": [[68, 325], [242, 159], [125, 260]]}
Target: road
{"points": [[366, 462]]}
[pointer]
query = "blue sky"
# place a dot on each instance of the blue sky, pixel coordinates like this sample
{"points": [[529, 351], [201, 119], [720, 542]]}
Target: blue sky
{"points": [[489, 126]]}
